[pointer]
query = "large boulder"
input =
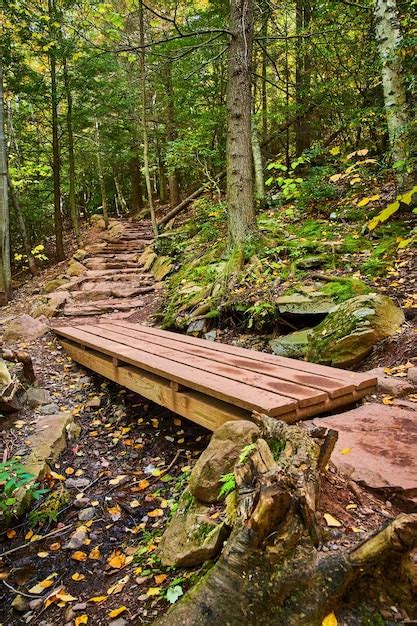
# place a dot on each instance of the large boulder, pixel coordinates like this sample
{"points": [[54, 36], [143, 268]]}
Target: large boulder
{"points": [[314, 303], [24, 328], [192, 536], [350, 330], [161, 267], [219, 458]]}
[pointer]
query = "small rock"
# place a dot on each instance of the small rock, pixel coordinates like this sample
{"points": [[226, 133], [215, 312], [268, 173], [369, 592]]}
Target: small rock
{"points": [[80, 606], [93, 402], [86, 514], [50, 409], [412, 375], [76, 483], [20, 603], [37, 396], [76, 540], [118, 622], [80, 255], [81, 503], [396, 387], [211, 335]]}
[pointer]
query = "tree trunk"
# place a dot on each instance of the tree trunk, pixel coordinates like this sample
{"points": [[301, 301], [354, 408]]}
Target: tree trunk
{"points": [[56, 159], [5, 272], [257, 163], [136, 185], [388, 37], [302, 76], [240, 201], [101, 178], [33, 268], [270, 571], [75, 218], [162, 181], [144, 120], [174, 194]]}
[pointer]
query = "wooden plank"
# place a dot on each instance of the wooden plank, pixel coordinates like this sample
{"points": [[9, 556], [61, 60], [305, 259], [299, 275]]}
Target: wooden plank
{"points": [[204, 410], [333, 387], [361, 380], [233, 392], [304, 395]]}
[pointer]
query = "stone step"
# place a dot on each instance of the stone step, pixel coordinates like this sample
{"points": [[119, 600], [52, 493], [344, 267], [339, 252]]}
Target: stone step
{"points": [[102, 306], [112, 291]]}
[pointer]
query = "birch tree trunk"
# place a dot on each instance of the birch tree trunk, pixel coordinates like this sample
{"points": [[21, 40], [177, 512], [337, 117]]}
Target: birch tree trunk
{"points": [[257, 163], [144, 121], [5, 272], [388, 37], [240, 201]]}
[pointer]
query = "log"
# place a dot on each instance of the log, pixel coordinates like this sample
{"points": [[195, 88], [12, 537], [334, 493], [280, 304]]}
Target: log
{"points": [[271, 571]]}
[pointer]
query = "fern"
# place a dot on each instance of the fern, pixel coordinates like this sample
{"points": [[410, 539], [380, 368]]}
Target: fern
{"points": [[229, 484]]}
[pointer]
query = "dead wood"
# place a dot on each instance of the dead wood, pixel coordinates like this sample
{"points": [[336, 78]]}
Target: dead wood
{"points": [[19, 356], [272, 571]]}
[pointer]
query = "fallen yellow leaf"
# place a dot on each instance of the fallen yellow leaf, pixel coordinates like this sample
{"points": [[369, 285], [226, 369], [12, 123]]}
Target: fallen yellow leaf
{"points": [[11, 534], [117, 612], [153, 591], [69, 470], [95, 554], [346, 451], [156, 513], [331, 521], [116, 561], [81, 619], [160, 578], [43, 584], [79, 556], [98, 599], [77, 576], [329, 620]]}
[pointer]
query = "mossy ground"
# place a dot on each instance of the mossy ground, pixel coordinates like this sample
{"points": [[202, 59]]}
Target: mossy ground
{"points": [[321, 232]]}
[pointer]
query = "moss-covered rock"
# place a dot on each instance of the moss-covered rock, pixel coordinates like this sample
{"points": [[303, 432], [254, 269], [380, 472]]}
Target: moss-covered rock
{"points": [[219, 458], [75, 268], [348, 333], [294, 345], [54, 284], [192, 536], [161, 267]]}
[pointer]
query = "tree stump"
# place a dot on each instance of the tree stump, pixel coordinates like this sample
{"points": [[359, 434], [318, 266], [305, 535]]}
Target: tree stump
{"points": [[270, 571]]}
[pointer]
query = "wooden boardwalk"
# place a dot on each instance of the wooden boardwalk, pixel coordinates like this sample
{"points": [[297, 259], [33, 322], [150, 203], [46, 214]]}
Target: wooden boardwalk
{"points": [[209, 382]]}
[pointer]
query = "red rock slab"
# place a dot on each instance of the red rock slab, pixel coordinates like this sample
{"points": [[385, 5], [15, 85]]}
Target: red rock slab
{"points": [[377, 445]]}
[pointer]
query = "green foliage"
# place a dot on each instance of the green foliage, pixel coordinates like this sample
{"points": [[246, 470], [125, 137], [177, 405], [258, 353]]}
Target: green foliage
{"points": [[246, 453], [14, 477], [277, 446], [228, 484], [48, 510], [345, 288], [406, 198]]}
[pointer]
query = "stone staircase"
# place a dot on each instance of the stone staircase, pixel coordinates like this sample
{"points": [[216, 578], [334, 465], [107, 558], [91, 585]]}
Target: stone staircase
{"points": [[109, 277]]}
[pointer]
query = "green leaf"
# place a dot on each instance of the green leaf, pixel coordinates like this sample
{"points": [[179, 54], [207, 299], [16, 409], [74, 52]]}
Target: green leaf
{"points": [[173, 593], [10, 501]]}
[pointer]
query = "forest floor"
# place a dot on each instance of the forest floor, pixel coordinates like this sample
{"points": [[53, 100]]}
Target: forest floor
{"points": [[90, 554]]}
